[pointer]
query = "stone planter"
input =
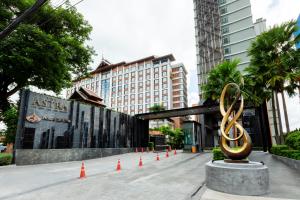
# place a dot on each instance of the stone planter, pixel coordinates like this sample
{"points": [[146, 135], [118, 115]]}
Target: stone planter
{"points": [[288, 161]]}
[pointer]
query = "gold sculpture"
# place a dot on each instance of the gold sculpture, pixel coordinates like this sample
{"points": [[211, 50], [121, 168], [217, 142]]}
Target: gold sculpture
{"points": [[229, 122]]}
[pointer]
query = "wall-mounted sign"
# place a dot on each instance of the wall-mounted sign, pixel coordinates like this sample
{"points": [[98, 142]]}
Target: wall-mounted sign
{"points": [[33, 118], [55, 119], [50, 103]]}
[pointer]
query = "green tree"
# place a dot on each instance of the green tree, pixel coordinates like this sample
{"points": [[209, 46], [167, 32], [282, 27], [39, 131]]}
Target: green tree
{"points": [[175, 136], [227, 72], [157, 108], [275, 61], [10, 119], [47, 50]]}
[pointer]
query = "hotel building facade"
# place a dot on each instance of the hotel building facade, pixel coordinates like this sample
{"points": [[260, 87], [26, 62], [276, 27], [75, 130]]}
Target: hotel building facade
{"points": [[133, 87]]}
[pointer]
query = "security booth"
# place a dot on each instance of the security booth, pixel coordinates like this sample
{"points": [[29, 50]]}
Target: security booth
{"points": [[192, 136]]}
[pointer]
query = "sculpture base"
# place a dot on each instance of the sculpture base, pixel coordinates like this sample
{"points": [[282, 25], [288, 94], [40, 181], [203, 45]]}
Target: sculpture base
{"points": [[250, 178]]}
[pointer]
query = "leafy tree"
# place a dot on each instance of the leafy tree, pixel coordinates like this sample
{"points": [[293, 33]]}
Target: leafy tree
{"points": [[157, 108], [224, 73], [175, 136], [10, 119], [46, 50], [227, 72], [275, 61]]}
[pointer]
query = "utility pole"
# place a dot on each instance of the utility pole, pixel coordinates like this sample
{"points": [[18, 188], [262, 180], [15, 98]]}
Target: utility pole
{"points": [[27, 13]]}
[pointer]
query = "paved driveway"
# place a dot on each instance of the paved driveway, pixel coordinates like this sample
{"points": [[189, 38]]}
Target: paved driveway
{"points": [[176, 177]]}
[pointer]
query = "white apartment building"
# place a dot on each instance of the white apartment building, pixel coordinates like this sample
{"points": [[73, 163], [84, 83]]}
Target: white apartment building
{"points": [[133, 87]]}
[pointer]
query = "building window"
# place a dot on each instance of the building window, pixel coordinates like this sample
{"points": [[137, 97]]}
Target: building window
{"points": [[165, 85], [165, 92], [164, 74], [141, 66], [156, 93], [148, 71], [156, 69], [156, 75], [132, 108], [224, 20], [140, 89], [222, 2], [164, 68], [148, 77], [132, 74], [164, 79], [148, 88], [148, 82], [141, 78], [226, 40], [147, 94], [165, 98], [225, 29], [140, 107], [140, 73], [156, 99], [223, 10], [148, 65], [141, 95], [226, 50]]}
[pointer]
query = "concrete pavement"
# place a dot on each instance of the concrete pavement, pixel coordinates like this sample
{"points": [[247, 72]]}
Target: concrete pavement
{"points": [[176, 177]]}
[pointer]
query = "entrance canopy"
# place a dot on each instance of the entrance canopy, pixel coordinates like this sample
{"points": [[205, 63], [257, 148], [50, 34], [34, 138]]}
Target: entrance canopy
{"points": [[196, 110]]}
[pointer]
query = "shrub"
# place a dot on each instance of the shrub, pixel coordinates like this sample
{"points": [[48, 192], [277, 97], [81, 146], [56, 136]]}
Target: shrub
{"points": [[150, 145], [218, 154], [5, 159], [293, 140], [294, 154], [276, 149]]}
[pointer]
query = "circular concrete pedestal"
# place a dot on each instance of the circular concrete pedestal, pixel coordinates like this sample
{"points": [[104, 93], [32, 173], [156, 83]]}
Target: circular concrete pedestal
{"points": [[237, 178]]}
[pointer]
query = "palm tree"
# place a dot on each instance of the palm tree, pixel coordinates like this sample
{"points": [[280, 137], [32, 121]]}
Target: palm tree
{"points": [[218, 77], [275, 61]]}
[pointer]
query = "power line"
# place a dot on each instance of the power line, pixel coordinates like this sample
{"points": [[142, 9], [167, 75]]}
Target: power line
{"points": [[72, 6]]}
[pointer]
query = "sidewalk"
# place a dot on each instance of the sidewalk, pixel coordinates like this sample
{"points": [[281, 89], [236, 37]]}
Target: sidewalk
{"points": [[214, 195]]}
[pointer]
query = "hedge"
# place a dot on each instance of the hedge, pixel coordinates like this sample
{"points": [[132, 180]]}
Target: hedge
{"points": [[5, 159], [276, 149], [218, 154], [293, 140], [285, 151]]}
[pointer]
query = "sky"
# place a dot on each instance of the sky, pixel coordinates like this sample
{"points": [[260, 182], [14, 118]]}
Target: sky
{"points": [[125, 30]]}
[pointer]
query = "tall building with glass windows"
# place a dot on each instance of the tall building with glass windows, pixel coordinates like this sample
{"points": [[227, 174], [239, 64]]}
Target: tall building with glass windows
{"points": [[133, 87], [224, 31]]}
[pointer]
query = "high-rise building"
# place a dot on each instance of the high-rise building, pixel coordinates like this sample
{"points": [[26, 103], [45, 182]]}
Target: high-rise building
{"points": [[133, 87], [224, 30]]}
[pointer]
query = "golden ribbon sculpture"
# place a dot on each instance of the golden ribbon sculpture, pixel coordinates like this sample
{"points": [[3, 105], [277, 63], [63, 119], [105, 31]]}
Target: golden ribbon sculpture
{"points": [[245, 149]]}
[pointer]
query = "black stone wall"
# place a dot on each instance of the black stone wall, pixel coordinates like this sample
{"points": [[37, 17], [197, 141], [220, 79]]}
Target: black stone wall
{"points": [[73, 124]]}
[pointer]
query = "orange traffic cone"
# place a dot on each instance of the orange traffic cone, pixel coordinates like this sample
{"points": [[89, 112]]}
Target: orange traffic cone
{"points": [[141, 162], [167, 154], [157, 157], [175, 152], [119, 165], [82, 171]]}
